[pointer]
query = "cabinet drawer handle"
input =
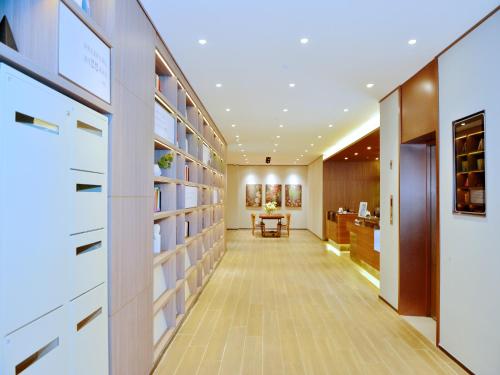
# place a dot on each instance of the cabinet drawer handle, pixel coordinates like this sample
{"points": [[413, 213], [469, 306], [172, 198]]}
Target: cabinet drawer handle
{"points": [[88, 248], [85, 321], [88, 188], [88, 128], [37, 356], [21, 118]]}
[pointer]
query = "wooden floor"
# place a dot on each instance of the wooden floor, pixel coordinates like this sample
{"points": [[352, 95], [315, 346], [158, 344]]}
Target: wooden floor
{"points": [[286, 306]]}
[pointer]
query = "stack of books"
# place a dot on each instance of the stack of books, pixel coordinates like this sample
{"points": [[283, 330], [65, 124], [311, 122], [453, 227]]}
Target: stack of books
{"points": [[157, 199], [186, 173], [186, 229]]}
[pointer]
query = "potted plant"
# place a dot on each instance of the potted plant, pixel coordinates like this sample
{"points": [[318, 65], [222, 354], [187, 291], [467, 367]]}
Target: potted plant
{"points": [[165, 162]]}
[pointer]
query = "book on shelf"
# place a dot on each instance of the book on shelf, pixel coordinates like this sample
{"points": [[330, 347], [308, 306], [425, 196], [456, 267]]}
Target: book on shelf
{"points": [[157, 82], [186, 229], [164, 123], [480, 146], [157, 199], [186, 173]]}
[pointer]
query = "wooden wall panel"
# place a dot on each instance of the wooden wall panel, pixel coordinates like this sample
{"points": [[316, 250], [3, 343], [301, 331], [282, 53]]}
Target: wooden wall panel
{"points": [[345, 184], [419, 104], [414, 256]]}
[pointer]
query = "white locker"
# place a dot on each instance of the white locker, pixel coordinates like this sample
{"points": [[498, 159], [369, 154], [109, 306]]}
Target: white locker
{"points": [[40, 348], [34, 124]]}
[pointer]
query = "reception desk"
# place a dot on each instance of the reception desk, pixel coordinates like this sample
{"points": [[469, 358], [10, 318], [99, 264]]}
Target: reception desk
{"points": [[364, 242], [336, 226]]}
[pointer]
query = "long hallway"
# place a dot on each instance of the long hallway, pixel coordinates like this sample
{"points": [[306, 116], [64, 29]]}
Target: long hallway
{"points": [[287, 306]]}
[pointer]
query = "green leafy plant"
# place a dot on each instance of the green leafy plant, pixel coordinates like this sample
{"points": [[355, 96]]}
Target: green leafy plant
{"points": [[165, 161]]}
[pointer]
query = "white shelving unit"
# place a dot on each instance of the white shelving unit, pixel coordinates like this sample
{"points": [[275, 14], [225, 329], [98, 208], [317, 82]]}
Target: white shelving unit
{"points": [[53, 226], [191, 218]]}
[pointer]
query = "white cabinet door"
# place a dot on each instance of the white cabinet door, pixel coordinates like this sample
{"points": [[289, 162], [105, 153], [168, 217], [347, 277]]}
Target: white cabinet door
{"points": [[89, 139], [34, 199], [40, 348], [89, 333]]}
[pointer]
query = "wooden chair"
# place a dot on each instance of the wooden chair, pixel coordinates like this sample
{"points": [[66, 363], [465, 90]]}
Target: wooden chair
{"points": [[252, 217], [286, 226]]}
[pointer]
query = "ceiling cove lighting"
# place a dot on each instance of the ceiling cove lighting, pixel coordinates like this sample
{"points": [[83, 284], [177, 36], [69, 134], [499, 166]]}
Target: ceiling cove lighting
{"points": [[412, 42], [370, 85], [304, 40], [372, 124], [202, 41]]}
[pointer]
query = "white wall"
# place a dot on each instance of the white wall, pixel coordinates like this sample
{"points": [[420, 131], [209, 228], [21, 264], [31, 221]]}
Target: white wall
{"points": [[469, 81], [238, 216], [389, 185], [314, 205]]}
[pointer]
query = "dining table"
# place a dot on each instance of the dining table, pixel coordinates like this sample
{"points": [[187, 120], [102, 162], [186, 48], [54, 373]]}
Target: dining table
{"points": [[270, 232]]}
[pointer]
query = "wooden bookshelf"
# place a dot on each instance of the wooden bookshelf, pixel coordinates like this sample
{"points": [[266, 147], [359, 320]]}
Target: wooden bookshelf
{"points": [[191, 216], [470, 180]]}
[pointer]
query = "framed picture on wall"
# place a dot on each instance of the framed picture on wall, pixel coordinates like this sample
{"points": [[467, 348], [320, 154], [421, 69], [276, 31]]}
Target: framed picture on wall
{"points": [[273, 194], [253, 196], [363, 209], [293, 196]]}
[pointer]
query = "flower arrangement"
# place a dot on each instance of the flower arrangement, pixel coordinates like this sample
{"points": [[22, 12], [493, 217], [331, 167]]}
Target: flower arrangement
{"points": [[270, 207]]}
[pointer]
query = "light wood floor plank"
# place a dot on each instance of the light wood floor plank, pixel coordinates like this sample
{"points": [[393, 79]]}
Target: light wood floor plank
{"points": [[286, 306]]}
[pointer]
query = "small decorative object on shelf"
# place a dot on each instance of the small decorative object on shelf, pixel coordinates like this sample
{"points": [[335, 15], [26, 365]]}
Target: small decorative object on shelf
{"points": [[469, 152], [270, 207], [6, 35], [156, 238], [165, 162]]}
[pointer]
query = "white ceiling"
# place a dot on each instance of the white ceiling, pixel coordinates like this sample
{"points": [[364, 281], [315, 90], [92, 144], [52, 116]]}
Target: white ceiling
{"points": [[253, 48]]}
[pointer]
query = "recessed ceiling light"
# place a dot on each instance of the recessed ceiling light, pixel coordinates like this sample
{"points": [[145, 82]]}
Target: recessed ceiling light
{"points": [[291, 85], [244, 156], [369, 148], [297, 159], [228, 109], [276, 144], [274, 150], [285, 109], [218, 85], [240, 144], [301, 156], [202, 41], [278, 136], [246, 162], [370, 85], [319, 136], [346, 158], [330, 126], [233, 125], [356, 154], [237, 136], [376, 158], [312, 144], [412, 42], [346, 109], [306, 150], [281, 126], [304, 40]]}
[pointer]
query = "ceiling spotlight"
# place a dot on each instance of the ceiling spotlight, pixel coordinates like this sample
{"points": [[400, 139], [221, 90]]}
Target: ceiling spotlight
{"points": [[301, 156], [319, 136], [376, 158], [242, 150], [281, 126], [239, 144], [306, 150], [274, 150], [369, 148], [233, 125], [285, 109], [412, 42], [278, 136], [312, 144], [330, 126], [356, 154], [276, 144], [346, 109], [244, 156], [304, 40], [297, 159], [218, 85], [202, 41], [370, 85], [228, 109], [346, 158], [291, 85]]}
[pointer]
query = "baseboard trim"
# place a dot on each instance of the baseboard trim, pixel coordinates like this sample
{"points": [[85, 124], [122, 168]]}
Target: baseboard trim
{"points": [[455, 360], [388, 304]]}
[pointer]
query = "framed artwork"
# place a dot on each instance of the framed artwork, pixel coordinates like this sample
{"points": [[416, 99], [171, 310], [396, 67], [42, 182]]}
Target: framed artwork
{"points": [[254, 195], [273, 194], [293, 196], [363, 209]]}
